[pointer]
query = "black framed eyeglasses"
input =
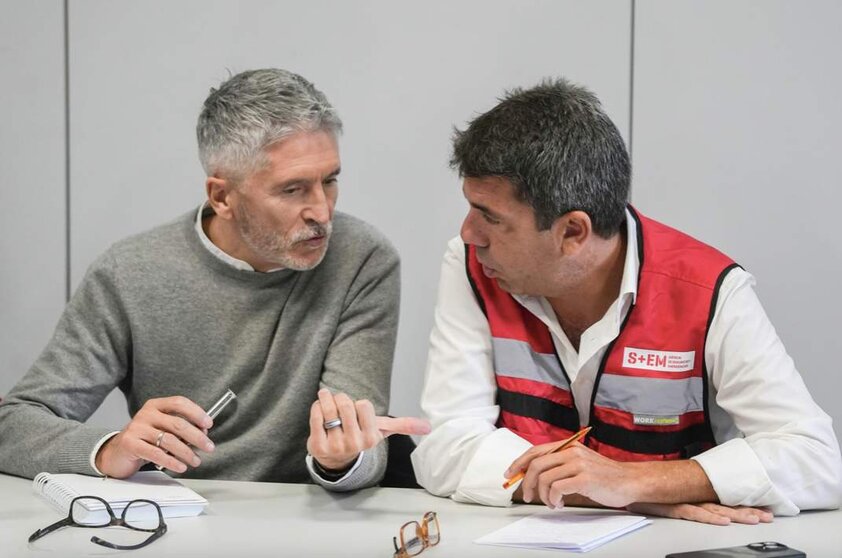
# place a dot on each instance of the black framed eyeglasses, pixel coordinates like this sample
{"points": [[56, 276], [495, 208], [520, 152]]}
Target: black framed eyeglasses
{"points": [[138, 515], [415, 536]]}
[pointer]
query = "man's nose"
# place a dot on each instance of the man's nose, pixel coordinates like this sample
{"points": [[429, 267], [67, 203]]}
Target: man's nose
{"points": [[471, 231], [319, 206]]}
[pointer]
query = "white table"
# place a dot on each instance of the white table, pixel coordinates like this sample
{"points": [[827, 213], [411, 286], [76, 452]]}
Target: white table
{"points": [[287, 520]]}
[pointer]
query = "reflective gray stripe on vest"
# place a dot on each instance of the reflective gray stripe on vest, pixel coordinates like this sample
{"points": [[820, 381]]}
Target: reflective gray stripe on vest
{"points": [[517, 359], [650, 396]]}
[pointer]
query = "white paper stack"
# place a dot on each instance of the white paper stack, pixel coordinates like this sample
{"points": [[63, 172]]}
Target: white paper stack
{"points": [[576, 531]]}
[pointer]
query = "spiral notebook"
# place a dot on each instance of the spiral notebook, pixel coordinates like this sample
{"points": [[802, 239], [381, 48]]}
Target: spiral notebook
{"points": [[175, 499]]}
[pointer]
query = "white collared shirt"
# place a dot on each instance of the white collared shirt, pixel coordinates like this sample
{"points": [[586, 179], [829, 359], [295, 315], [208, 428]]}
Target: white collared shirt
{"points": [[776, 446], [581, 366]]}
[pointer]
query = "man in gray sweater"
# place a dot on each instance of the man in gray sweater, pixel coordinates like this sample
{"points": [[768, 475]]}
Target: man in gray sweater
{"points": [[263, 289]]}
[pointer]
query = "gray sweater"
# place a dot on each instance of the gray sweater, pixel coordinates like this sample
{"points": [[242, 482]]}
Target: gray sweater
{"points": [[159, 315]]}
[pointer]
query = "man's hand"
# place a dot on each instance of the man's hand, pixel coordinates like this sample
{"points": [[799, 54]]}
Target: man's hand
{"points": [[588, 478], [337, 448], [574, 470], [708, 512], [161, 432]]}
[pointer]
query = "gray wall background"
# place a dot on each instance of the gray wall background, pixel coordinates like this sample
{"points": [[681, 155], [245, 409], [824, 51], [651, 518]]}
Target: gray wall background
{"points": [[730, 109]]}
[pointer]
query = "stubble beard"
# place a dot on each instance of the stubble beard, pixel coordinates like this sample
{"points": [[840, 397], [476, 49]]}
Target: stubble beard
{"points": [[278, 249]]}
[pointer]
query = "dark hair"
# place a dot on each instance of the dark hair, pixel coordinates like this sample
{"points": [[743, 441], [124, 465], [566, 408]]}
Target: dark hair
{"points": [[558, 148]]}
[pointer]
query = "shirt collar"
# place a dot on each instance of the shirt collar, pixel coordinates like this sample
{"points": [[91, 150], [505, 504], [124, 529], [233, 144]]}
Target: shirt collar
{"points": [[236, 263], [631, 268]]}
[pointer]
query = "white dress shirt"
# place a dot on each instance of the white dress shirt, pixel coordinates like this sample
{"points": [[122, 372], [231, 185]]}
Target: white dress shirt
{"points": [[776, 447]]}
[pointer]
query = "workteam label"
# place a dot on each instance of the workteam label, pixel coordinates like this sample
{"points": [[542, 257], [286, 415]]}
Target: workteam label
{"points": [[662, 361]]}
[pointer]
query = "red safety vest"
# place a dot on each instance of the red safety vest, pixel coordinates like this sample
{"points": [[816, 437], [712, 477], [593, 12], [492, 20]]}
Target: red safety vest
{"points": [[650, 394]]}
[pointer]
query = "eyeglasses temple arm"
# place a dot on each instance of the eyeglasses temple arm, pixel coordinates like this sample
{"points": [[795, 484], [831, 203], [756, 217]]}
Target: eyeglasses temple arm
{"points": [[50, 528]]}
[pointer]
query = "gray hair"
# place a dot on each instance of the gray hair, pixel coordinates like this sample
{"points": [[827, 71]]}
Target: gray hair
{"points": [[251, 111], [557, 147]]}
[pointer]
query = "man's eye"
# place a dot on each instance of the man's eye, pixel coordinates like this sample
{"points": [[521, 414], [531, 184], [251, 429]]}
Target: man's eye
{"points": [[291, 190], [490, 219], [331, 181]]}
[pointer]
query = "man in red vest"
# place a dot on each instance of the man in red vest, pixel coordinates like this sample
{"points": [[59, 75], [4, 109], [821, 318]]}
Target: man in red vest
{"points": [[562, 307]]}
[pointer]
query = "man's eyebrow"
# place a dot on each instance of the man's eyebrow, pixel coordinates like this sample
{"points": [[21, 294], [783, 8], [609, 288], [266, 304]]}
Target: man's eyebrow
{"points": [[301, 180], [484, 209]]}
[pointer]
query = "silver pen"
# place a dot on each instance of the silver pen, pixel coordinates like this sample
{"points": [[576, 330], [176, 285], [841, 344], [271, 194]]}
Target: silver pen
{"points": [[216, 408]]}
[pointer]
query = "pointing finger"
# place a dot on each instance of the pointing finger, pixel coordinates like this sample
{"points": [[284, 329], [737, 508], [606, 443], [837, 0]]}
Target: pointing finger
{"points": [[403, 425]]}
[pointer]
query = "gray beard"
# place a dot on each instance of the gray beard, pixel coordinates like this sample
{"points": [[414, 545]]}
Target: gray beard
{"points": [[277, 248]]}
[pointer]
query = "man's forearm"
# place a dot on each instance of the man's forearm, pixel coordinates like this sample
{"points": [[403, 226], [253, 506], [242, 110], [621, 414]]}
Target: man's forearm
{"points": [[617, 484], [35, 440], [671, 482]]}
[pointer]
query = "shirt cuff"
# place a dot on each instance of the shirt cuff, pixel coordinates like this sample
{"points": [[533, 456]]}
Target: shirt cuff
{"points": [[482, 481], [739, 478], [326, 477], [96, 450]]}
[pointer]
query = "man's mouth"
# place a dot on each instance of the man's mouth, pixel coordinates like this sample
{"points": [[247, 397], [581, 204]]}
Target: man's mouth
{"points": [[318, 236], [314, 240], [488, 271]]}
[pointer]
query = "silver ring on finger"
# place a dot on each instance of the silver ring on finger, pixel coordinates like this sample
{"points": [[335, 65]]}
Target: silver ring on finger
{"points": [[333, 423], [159, 439]]}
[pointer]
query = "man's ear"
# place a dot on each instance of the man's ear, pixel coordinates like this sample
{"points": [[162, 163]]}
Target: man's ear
{"points": [[572, 231], [219, 193]]}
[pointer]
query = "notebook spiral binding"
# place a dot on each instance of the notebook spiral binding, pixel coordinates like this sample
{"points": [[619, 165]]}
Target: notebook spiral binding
{"points": [[59, 496]]}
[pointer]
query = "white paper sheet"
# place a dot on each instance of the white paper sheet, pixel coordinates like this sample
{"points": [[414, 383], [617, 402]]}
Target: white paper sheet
{"points": [[577, 531]]}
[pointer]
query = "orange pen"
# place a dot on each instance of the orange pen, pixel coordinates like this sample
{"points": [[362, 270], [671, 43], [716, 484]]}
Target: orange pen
{"points": [[561, 445]]}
